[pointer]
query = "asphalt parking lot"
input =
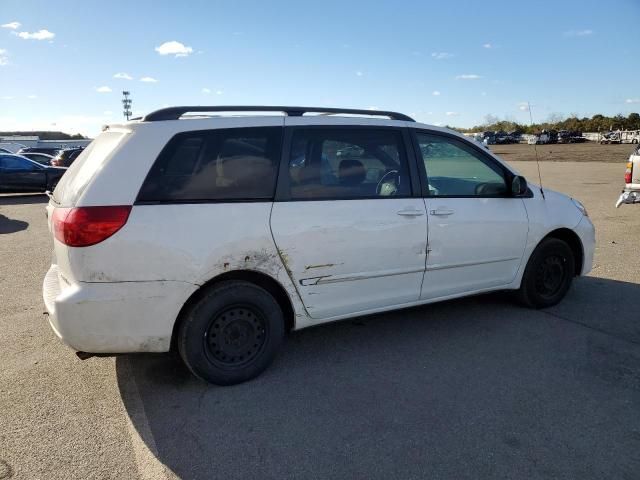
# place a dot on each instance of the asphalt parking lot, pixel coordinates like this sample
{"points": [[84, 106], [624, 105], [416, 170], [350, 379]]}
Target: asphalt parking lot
{"points": [[473, 388]]}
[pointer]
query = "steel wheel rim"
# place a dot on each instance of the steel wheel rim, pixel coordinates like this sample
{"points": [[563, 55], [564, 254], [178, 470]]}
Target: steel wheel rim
{"points": [[551, 275], [235, 336]]}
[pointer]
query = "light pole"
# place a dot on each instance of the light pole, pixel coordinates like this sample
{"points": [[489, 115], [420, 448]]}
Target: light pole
{"points": [[126, 104]]}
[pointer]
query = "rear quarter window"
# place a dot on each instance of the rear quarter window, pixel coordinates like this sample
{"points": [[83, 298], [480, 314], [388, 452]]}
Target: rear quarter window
{"points": [[233, 164]]}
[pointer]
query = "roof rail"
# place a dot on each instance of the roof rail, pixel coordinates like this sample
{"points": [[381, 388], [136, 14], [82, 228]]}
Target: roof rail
{"points": [[174, 113]]}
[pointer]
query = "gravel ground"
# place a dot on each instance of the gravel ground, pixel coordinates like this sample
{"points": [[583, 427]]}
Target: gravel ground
{"points": [[473, 388]]}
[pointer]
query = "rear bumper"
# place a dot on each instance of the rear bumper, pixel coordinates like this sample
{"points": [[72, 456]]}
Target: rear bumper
{"points": [[587, 233], [116, 317]]}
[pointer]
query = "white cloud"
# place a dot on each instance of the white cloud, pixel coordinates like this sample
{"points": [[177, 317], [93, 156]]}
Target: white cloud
{"points": [[359, 73], [523, 106], [632, 100], [123, 76], [578, 33], [435, 93], [39, 35], [441, 55], [219, 92], [32, 97], [7, 97], [487, 45], [11, 25], [107, 113], [468, 76], [4, 57], [148, 80], [174, 48], [206, 91], [452, 114], [103, 89]]}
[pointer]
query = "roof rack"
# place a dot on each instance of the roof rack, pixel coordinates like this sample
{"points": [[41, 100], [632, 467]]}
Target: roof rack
{"points": [[174, 113]]}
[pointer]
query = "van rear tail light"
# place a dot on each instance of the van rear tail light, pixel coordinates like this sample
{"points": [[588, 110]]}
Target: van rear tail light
{"points": [[85, 226]]}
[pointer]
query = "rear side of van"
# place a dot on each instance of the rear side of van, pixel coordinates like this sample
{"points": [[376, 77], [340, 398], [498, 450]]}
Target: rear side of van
{"points": [[136, 234]]}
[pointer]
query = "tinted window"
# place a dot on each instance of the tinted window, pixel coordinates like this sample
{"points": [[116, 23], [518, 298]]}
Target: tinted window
{"points": [[456, 169], [348, 163], [229, 164], [16, 163]]}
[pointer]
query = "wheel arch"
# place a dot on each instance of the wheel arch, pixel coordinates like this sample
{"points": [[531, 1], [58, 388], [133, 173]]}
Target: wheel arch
{"points": [[258, 278], [572, 239]]}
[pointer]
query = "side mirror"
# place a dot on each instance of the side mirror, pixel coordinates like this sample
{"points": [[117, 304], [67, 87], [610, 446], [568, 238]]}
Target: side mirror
{"points": [[518, 186]]}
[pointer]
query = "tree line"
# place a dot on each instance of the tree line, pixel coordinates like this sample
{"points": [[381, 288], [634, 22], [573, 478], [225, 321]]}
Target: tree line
{"points": [[597, 123]]}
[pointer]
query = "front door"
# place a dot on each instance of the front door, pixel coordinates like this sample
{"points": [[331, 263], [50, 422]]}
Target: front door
{"points": [[477, 229], [347, 227]]}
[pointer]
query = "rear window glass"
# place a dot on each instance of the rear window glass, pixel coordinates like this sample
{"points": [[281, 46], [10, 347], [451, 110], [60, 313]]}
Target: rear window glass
{"points": [[78, 175], [216, 165]]}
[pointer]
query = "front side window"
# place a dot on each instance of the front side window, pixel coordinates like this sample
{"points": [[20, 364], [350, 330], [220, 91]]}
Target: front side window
{"points": [[216, 165], [327, 164], [457, 170]]}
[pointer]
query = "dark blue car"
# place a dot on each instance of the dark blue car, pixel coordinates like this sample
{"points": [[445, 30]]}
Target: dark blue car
{"points": [[19, 174]]}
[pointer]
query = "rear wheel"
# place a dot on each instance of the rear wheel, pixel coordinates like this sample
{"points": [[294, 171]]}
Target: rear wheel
{"points": [[548, 274], [232, 333]]}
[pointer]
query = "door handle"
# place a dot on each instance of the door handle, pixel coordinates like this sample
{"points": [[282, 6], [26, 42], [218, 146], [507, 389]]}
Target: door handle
{"points": [[442, 212], [411, 212]]}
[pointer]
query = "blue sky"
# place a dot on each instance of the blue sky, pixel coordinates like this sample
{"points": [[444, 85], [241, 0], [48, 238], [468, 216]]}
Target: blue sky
{"points": [[443, 62]]}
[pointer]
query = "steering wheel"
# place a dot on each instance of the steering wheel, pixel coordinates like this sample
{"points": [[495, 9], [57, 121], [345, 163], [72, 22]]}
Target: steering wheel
{"points": [[381, 184]]}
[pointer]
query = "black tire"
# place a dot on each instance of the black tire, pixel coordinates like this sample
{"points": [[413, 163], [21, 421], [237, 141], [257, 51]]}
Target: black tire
{"points": [[231, 334], [548, 274]]}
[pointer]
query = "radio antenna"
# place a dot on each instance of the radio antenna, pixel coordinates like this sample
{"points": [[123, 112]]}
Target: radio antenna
{"points": [[535, 149]]}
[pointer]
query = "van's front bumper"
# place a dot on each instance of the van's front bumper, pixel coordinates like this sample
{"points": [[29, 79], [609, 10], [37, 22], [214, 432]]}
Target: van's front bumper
{"points": [[587, 233], [113, 317]]}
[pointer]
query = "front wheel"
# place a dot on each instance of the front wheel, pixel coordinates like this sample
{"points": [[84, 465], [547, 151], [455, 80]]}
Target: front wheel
{"points": [[548, 274], [232, 333]]}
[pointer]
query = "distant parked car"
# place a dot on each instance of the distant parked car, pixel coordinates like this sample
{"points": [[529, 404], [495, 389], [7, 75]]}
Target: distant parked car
{"points": [[611, 137], [19, 174], [48, 150], [66, 157], [41, 158], [539, 139], [502, 138], [488, 138]]}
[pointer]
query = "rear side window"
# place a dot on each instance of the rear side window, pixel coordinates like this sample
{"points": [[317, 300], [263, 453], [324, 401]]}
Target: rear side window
{"points": [[232, 164], [328, 164]]}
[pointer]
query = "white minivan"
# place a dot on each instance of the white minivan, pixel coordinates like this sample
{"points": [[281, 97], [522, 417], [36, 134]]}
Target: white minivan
{"points": [[217, 234]]}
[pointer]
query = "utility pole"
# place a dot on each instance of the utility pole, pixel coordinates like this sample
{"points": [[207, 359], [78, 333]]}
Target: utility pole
{"points": [[126, 104]]}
